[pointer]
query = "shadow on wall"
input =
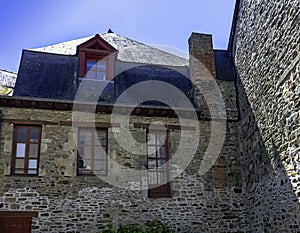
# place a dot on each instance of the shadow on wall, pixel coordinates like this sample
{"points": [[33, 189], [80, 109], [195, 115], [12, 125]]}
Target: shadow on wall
{"points": [[270, 201]]}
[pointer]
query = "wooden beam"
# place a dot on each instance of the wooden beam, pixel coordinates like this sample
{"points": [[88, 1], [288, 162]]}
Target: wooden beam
{"points": [[16, 214]]}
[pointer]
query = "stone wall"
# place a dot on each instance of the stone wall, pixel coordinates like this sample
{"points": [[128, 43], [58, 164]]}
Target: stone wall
{"points": [[69, 203], [266, 54]]}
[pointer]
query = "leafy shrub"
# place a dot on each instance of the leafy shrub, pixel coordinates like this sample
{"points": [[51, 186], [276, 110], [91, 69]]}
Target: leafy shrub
{"points": [[157, 226]]}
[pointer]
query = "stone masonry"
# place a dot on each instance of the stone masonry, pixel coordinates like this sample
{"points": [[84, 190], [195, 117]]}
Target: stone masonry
{"points": [[70, 203], [266, 55]]}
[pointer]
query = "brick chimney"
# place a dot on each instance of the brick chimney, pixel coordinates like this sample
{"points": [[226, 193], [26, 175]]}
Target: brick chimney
{"points": [[201, 56], [206, 93]]}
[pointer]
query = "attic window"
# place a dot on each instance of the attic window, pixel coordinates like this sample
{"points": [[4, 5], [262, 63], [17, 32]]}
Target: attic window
{"points": [[96, 69], [96, 59]]}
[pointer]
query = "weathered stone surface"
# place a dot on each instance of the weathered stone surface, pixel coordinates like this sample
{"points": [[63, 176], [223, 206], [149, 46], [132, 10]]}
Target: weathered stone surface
{"points": [[67, 202], [266, 55]]}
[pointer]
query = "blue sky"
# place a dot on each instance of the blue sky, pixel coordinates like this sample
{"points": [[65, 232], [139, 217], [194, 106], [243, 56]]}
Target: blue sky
{"points": [[37, 23]]}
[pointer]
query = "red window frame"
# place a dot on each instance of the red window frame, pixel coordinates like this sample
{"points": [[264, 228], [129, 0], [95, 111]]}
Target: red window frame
{"points": [[158, 168], [87, 166], [96, 49], [22, 151]]}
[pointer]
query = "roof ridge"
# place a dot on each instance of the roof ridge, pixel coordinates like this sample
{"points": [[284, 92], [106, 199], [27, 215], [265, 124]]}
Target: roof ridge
{"points": [[63, 42], [129, 50], [8, 71], [144, 44]]}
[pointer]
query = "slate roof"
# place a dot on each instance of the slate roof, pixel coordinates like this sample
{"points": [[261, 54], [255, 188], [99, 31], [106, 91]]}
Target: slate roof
{"points": [[224, 65], [7, 78], [46, 76], [136, 76], [7, 82], [129, 50], [52, 72]]}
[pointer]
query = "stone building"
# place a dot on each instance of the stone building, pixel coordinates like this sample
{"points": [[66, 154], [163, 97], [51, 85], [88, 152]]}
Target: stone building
{"points": [[106, 130], [7, 82]]}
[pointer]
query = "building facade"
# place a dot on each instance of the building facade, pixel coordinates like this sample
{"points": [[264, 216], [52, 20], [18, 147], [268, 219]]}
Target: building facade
{"points": [[106, 130]]}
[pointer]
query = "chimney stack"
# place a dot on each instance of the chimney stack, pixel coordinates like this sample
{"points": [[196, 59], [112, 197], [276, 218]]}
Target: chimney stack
{"points": [[202, 61]]}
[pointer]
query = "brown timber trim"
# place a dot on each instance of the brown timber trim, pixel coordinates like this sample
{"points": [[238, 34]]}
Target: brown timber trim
{"points": [[28, 122], [170, 127], [62, 123], [67, 105], [89, 124], [14, 214]]}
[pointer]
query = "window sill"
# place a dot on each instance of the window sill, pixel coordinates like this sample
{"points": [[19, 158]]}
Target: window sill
{"points": [[21, 175]]}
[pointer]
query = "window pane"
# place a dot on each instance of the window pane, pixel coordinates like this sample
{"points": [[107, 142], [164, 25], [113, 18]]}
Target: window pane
{"points": [[161, 162], [101, 65], [151, 163], [20, 163], [101, 75], [32, 172], [152, 151], [100, 167], [100, 153], [19, 171], [87, 164], [161, 152], [80, 163], [84, 172], [21, 147], [33, 150], [152, 177], [86, 152], [100, 138], [34, 134], [161, 139], [91, 74], [81, 151], [161, 177], [21, 135], [32, 164], [85, 137], [90, 64], [151, 139]]}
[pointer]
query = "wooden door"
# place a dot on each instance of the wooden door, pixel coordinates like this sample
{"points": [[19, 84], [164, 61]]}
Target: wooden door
{"points": [[15, 225], [16, 221]]}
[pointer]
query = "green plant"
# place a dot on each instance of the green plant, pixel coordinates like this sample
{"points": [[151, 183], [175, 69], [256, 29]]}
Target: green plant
{"points": [[110, 229], [156, 226]]}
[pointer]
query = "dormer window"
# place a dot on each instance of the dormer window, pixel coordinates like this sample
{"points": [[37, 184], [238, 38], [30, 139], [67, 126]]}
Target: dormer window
{"points": [[96, 59], [96, 70]]}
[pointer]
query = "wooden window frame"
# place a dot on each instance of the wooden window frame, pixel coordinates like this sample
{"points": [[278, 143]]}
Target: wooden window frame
{"points": [[27, 148], [92, 145], [96, 49], [165, 189]]}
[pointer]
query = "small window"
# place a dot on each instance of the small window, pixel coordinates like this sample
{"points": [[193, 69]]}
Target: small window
{"points": [[96, 70], [158, 169], [92, 152], [26, 150], [96, 59]]}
